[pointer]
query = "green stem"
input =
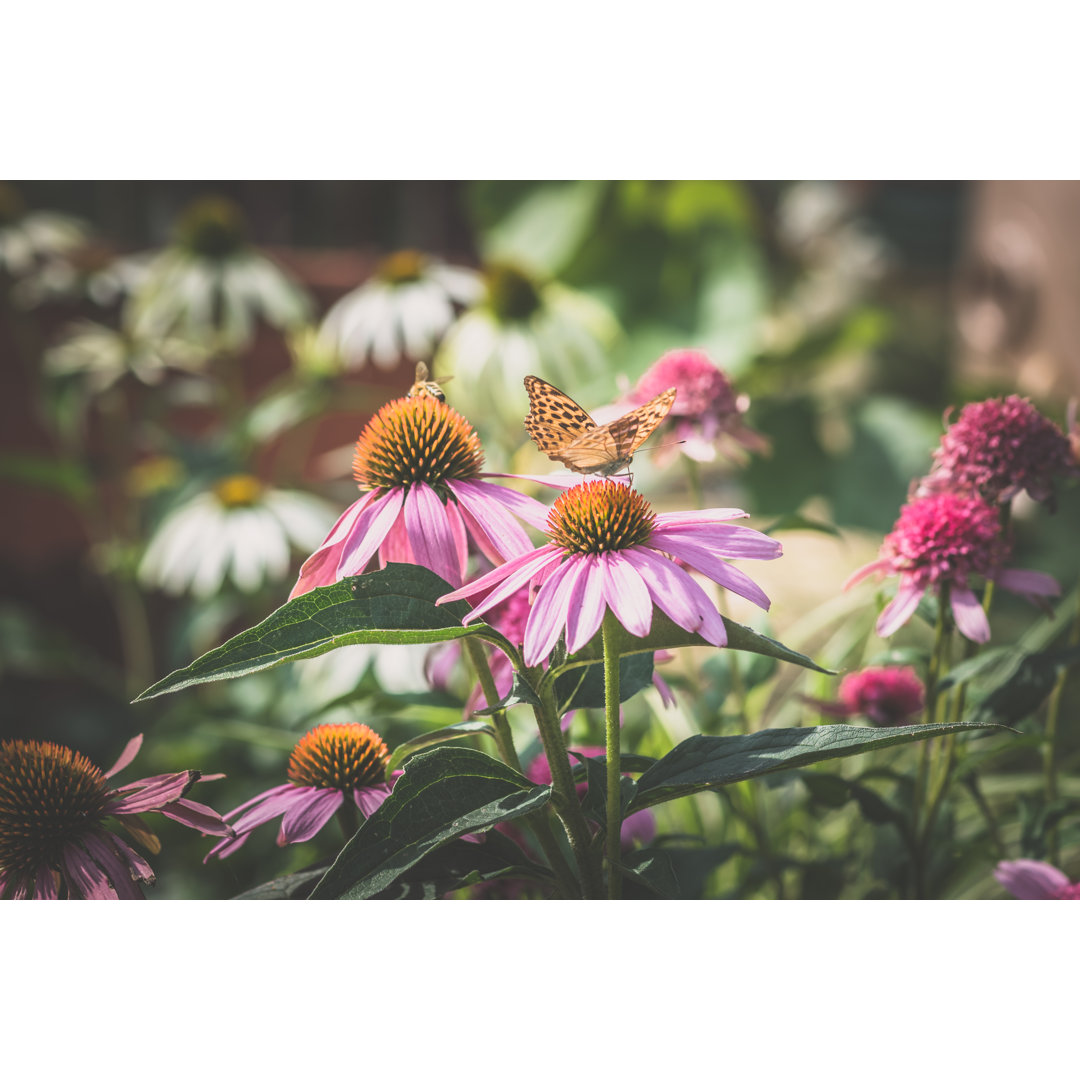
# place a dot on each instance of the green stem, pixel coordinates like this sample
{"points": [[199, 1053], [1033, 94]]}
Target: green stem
{"points": [[348, 818], [504, 741], [613, 815], [1049, 746]]}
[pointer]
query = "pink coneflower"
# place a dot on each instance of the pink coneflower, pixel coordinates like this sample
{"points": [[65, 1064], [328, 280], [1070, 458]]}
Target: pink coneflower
{"points": [[608, 550], [1000, 447], [54, 803], [332, 767], [707, 414], [638, 828], [938, 542], [1027, 879], [884, 695], [420, 461]]}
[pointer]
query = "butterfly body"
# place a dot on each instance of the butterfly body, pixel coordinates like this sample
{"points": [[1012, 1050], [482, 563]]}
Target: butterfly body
{"points": [[424, 385], [564, 431]]}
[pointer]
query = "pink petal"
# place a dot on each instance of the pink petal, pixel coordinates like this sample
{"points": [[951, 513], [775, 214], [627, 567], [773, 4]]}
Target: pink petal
{"points": [[138, 867], [368, 533], [724, 541], [369, 799], [320, 568], [707, 563], [878, 566], [527, 566], [127, 755], [1027, 879], [274, 804], [626, 594], [585, 610], [547, 619], [197, 816], [899, 609], [430, 534], [698, 517], [1028, 582], [461, 538], [85, 876], [970, 617], [676, 593], [153, 793], [491, 509], [395, 546], [309, 814], [279, 790]]}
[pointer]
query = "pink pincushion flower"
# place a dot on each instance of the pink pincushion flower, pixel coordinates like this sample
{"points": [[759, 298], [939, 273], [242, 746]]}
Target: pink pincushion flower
{"points": [[638, 828], [1000, 447], [1027, 879], [54, 803], [707, 413], [885, 695], [427, 498], [938, 542], [331, 767], [608, 550]]}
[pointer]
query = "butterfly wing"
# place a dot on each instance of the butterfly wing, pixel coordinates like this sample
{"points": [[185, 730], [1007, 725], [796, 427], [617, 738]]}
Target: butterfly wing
{"points": [[555, 420]]}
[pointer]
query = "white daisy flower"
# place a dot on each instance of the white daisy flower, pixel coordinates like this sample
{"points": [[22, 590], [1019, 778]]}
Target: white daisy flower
{"points": [[212, 286], [240, 530], [523, 326], [27, 238], [403, 310]]}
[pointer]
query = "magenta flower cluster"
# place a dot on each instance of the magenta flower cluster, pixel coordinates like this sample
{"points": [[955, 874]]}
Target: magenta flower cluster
{"points": [[884, 695]]}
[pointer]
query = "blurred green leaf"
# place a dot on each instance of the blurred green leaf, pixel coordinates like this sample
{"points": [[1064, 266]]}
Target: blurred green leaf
{"points": [[1023, 689], [791, 522], [67, 478], [444, 793], [732, 302], [290, 887], [703, 762], [677, 873], [548, 227], [393, 606]]}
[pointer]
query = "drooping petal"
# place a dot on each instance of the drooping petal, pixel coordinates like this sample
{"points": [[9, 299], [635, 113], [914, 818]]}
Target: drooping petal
{"points": [[395, 546], [281, 789], [508, 578], [970, 617], [127, 755], [85, 876], [321, 567], [150, 794], [878, 566], [490, 515], [309, 812], [430, 535], [1028, 582], [368, 533], [44, 885], [461, 537], [698, 517], [585, 610], [899, 609], [731, 577], [547, 619], [626, 594], [725, 541], [677, 595], [197, 816], [1027, 879], [369, 799]]}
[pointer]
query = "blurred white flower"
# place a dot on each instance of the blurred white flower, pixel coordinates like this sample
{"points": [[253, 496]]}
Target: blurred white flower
{"points": [[403, 310], [240, 530], [523, 326], [212, 286], [28, 237]]}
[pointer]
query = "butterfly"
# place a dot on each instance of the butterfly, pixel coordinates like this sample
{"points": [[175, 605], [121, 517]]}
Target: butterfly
{"points": [[425, 386], [564, 431]]}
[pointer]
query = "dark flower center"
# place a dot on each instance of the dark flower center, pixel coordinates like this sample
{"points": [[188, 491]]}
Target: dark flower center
{"points": [[50, 797], [512, 294], [212, 227], [342, 756], [600, 516], [416, 440], [402, 267], [12, 206]]}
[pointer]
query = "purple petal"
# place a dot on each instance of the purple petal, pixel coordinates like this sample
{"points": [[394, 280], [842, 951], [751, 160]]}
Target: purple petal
{"points": [[44, 885], [667, 696], [271, 807], [677, 595], [369, 799], [461, 537], [585, 610], [527, 566], [152, 794], [731, 577], [549, 612], [368, 533], [697, 517], [138, 867], [320, 568], [899, 609], [280, 789], [395, 546], [1028, 582], [430, 534], [85, 876], [197, 816], [626, 594], [970, 617], [309, 814], [724, 541], [491, 509], [127, 755], [1027, 879], [878, 566]]}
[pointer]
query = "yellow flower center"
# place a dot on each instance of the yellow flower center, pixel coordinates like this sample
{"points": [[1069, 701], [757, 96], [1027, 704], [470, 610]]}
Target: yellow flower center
{"points": [[342, 756], [402, 267], [600, 516], [50, 796], [237, 490], [213, 227], [416, 440]]}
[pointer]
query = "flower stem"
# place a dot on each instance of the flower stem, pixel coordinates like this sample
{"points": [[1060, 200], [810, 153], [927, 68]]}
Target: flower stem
{"points": [[1049, 746], [613, 815], [348, 818]]}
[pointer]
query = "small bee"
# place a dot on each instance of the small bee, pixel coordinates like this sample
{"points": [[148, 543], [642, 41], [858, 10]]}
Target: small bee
{"points": [[425, 385]]}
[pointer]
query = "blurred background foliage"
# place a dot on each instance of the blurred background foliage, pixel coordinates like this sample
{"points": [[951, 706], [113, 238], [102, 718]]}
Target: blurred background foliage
{"points": [[177, 418]]}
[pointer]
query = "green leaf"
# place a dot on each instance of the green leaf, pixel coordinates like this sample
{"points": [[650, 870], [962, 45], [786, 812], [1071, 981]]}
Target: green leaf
{"points": [[392, 606], [521, 693], [290, 887], [676, 873], [434, 738], [583, 688], [443, 794], [1026, 687], [68, 478], [706, 762]]}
